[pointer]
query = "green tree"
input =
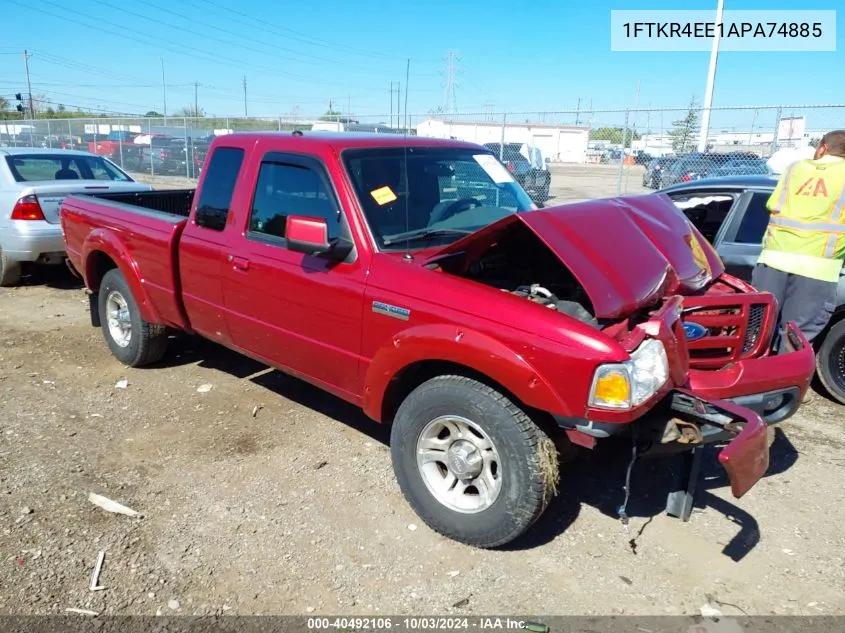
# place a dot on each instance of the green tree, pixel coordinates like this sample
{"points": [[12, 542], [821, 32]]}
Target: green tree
{"points": [[152, 113], [614, 135], [331, 115], [190, 111], [685, 131]]}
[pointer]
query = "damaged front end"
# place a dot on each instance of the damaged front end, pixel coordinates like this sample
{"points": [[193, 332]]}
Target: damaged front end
{"points": [[699, 341]]}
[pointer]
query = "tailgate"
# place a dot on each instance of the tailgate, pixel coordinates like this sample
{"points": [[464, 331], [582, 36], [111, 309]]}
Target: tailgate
{"points": [[50, 196]]}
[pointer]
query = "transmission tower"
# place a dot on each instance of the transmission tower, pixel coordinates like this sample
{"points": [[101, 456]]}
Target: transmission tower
{"points": [[451, 71]]}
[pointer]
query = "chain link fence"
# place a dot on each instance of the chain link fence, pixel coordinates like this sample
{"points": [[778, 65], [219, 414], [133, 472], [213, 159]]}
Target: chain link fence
{"points": [[557, 156]]}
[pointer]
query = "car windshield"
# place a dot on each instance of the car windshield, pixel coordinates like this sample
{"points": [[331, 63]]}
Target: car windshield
{"points": [[40, 167], [416, 197]]}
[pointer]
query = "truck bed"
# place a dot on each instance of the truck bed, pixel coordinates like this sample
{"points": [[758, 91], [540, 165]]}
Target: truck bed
{"points": [[148, 225], [172, 201]]}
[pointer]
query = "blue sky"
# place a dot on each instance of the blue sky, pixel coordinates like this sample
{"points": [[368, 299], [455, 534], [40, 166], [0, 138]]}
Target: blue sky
{"points": [[297, 55]]}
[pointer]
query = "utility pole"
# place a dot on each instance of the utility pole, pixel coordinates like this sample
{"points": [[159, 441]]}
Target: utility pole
{"points": [[636, 108], [349, 106], [451, 70], [26, 57], [391, 104], [196, 102], [751, 133], [711, 80], [578, 112], [407, 81], [245, 110], [164, 90]]}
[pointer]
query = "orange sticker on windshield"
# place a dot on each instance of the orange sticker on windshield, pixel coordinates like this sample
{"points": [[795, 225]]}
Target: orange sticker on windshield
{"points": [[383, 195]]}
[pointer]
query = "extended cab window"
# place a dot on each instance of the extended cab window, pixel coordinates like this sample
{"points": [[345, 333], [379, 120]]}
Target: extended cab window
{"points": [[285, 189], [754, 221], [218, 187]]}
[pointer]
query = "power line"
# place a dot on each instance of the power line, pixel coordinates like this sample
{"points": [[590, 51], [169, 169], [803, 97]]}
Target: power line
{"points": [[84, 67], [217, 59], [311, 59], [245, 111], [303, 37]]}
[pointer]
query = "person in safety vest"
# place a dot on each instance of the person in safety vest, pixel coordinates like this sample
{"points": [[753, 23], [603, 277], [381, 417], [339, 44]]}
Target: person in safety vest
{"points": [[804, 247]]}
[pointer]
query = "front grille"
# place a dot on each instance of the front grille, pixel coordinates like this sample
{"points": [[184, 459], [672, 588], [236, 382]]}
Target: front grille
{"points": [[755, 326], [734, 327]]}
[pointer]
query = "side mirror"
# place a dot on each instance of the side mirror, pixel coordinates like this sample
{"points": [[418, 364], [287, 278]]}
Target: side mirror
{"points": [[311, 236]]}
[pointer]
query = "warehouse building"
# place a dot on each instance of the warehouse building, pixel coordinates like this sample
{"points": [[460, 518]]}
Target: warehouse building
{"points": [[560, 143]]}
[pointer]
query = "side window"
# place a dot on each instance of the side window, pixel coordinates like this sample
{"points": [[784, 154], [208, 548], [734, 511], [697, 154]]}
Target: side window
{"points": [[754, 222], [706, 211], [218, 187], [285, 189]]}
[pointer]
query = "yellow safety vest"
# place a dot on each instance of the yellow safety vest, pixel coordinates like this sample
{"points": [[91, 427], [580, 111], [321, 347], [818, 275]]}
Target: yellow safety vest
{"points": [[806, 232]]}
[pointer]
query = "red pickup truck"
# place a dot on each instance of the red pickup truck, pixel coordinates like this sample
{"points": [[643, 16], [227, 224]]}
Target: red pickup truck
{"points": [[416, 279]]}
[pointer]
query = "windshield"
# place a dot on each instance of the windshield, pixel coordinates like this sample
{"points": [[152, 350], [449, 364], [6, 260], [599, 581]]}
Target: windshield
{"points": [[40, 167], [435, 197]]}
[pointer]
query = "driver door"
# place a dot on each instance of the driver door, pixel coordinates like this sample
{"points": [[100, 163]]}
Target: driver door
{"points": [[299, 312]]}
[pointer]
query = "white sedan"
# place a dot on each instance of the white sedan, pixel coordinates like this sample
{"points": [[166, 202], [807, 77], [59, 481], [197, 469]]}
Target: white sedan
{"points": [[33, 182]]}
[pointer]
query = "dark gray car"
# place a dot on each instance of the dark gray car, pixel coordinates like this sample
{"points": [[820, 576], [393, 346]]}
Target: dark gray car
{"points": [[731, 213], [536, 182]]}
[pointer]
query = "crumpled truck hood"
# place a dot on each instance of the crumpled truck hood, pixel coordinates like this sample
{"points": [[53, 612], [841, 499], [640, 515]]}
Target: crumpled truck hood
{"points": [[626, 252]]}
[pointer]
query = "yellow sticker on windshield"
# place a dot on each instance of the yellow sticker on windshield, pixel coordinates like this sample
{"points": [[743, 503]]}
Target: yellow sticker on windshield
{"points": [[383, 195]]}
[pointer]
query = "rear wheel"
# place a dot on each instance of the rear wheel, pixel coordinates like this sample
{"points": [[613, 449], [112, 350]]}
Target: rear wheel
{"points": [[132, 340], [470, 462], [10, 272], [830, 361]]}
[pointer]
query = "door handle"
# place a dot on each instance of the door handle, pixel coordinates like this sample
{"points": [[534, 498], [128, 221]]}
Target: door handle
{"points": [[240, 263]]}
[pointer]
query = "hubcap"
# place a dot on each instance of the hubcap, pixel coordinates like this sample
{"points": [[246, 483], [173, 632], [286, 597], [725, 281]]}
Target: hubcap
{"points": [[119, 322], [459, 464]]}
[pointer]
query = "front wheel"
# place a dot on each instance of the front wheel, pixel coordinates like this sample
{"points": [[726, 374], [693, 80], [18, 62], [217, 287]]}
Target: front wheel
{"points": [[471, 463], [132, 340], [830, 362]]}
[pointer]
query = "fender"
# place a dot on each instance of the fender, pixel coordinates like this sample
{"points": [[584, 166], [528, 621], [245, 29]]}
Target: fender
{"points": [[456, 344], [108, 243]]}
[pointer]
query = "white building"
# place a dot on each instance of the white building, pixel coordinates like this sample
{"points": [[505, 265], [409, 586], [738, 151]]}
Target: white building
{"points": [[560, 143]]}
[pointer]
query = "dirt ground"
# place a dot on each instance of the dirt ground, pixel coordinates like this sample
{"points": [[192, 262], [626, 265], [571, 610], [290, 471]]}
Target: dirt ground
{"points": [[293, 508]]}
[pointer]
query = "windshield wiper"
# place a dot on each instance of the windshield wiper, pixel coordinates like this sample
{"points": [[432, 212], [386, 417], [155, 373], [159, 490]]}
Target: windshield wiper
{"points": [[422, 234]]}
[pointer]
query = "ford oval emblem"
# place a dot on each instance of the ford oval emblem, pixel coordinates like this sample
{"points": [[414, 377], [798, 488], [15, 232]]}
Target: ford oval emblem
{"points": [[694, 331]]}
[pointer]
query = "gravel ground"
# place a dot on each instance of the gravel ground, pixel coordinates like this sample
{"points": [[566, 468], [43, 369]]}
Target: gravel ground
{"points": [[293, 508]]}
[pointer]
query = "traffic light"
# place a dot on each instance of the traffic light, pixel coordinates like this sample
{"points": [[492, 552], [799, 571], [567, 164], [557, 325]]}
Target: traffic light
{"points": [[19, 107]]}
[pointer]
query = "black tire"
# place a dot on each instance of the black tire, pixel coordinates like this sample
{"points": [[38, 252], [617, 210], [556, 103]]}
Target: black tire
{"points": [[830, 362], [10, 272], [527, 460], [147, 342]]}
